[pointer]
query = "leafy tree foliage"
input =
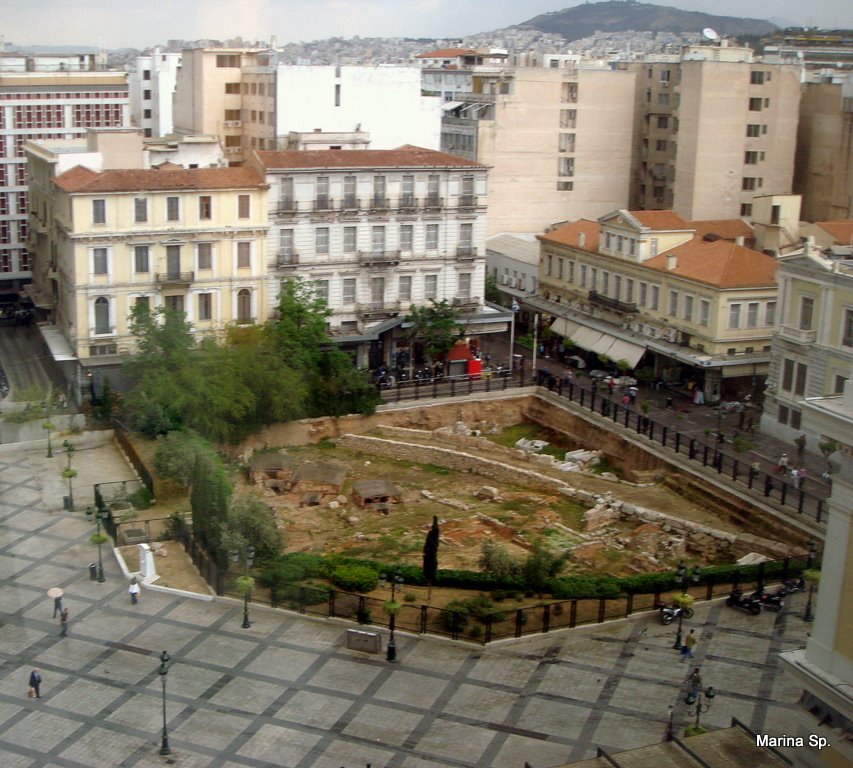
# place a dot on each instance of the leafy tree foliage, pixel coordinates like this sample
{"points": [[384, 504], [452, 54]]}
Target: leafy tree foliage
{"points": [[250, 521], [210, 497], [539, 567], [174, 457], [338, 387], [496, 561], [437, 327]]}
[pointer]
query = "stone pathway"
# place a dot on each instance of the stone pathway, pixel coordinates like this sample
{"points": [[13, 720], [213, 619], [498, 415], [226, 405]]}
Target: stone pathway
{"points": [[287, 692]]}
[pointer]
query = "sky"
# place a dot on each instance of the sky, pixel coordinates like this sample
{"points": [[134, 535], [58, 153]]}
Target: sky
{"points": [[144, 23]]}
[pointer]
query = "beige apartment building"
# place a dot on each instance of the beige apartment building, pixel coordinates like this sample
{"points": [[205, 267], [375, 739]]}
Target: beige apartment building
{"points": [[714, 127], [187, 240], [557, 139], [687, 299]]}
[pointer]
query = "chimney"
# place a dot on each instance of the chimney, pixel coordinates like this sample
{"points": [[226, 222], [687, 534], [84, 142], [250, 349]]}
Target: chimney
{"points": [[581, 239], [671, 262], [739, 240]]}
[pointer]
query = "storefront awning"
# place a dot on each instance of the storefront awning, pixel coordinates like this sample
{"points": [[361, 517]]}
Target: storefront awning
{"points": [[624, 350], [586, 338], [58, 345], [451, 105]]}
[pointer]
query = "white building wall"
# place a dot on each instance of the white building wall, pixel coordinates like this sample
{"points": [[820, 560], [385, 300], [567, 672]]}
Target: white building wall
{"points": [[152, 88], [384, 101]]}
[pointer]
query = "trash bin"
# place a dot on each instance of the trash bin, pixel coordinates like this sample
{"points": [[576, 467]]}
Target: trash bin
{"points": [[93, 571]]}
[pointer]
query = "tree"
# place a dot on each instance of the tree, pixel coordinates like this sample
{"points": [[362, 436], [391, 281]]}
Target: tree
{"points": [[493, 293], [210, 496], [539, 566], [337, 387], [299, 329], [174, 457], [431, 555], [437, 327], [495, 559], [250, 521]]}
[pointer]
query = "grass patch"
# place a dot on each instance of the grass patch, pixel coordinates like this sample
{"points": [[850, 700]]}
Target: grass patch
{"points": [[434, 469], [557, 444], [514, 505], [605, 466]]}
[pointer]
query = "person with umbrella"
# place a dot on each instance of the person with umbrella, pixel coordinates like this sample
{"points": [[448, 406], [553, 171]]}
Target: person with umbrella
{"points": [[56, 593]]}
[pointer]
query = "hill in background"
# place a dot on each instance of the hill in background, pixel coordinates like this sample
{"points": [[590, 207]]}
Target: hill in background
{"points": [[622, 15]]}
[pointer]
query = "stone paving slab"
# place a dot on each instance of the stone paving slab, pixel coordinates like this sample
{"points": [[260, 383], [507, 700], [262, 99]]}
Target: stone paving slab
{"points": [[287, 691]]}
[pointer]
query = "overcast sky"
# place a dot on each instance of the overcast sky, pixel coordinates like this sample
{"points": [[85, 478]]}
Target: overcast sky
{"points": [[144, 23]]}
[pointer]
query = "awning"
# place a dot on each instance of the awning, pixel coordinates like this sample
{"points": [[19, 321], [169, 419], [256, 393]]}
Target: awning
{"points": [[563, 327], [39, 298], [624, 350], [451, 105], [586, 338], [58, 345]]}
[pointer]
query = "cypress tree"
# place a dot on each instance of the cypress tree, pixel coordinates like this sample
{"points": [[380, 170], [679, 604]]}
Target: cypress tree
{"points": [[431, 555]]}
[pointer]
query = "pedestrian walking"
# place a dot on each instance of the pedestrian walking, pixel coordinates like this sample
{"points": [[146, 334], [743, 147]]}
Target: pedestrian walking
{"points": [[801, 477], [63, 623], [35, 684], [800, 442], [133, 590], [688, 646], [750, 425], [782, 466], [795, 477], [694, 681], [57, 606]]}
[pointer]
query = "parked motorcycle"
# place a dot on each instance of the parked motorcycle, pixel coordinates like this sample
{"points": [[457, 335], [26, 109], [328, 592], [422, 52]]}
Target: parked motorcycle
{"points": [[794, 585], [748, 603], [773, 601], [668, 613]]}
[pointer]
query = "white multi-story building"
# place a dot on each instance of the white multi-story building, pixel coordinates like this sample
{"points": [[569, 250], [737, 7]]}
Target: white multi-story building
{"points": [[152, 88], [378, 231], [45, 97]]}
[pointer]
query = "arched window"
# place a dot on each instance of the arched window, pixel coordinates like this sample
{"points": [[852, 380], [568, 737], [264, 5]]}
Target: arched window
{"points": [[102, 315], [244, 306]]}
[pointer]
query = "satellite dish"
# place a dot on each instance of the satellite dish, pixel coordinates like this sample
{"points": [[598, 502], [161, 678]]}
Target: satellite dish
{"points": [[710, 34]]}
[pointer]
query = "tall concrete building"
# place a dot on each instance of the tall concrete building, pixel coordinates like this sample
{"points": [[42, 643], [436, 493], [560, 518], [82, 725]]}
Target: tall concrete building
{"points": [[45, 97], [152, 89], [714, 127], [557, 138]]}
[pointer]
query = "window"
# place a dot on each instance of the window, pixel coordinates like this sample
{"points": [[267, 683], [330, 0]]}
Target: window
{"points": [[102, 315], [629, 290], [377, 240], [405, 291], [753, 130], [570, 277], [748, 183], [433, 186], [796, 419], [466, 235], [847, 329], [321, 240], [752, 314], [770, 313], [559, 269], [244, 306], [655, 302], [464, 289], [662, 122], [565, 166], [755, 105], [605, 283], [377, 290], [593, 278], [205, 306], [234, 142], [663, 99], [205, 207], [704, 312], [800, 381], [99, 211], [653, 246], [322, 192], [99, 261], [321, 289], [349, 192], [568, 118], [838, 385], [673, 304], [617, 287], [567, 142], [756, 78], [644, 292], [146, 74], [244, 206], [407, 190], [244, 255], [232, 87], [660, 144], [337, 94], [204, 254], [349, 290], [173, 208], [688, 309], [432, 237], [787, 374], [140, 210], [746, 209], [146, 113], [583, 275], [806, 313], [782, 414], [379, 190], [140, 258], [227, 60], [734, 315], [406, 237], [143, 303], [430, 286]]}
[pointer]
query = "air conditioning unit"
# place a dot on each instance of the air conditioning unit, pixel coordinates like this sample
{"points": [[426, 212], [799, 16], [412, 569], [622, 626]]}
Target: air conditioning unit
{"points": [[664, 83], [504, 279], [671, 334]]}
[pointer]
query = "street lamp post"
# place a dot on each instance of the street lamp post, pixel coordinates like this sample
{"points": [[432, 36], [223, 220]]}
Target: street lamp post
{"points": [[98, 538], [809, 613], [393, 580], [69, 473], [681, 581], [245, 582], [699, 702], [48, 426], [164, 673]]}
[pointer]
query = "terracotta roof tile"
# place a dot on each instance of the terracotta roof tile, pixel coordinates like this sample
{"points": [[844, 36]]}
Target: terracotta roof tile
{"points": [[80, 179], [447, 53], [660, 220], [406, 156], [727, 229], [570, 234], [720, 263], [840, 230]]}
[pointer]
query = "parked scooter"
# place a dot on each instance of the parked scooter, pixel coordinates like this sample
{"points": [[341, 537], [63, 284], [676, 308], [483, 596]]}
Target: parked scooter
{"points": [[794, 585], [773, 601], [670, 612], [748, 603]]}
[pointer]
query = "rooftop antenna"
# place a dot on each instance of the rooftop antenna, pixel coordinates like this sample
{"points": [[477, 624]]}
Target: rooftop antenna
{"points": [[710, 34]]}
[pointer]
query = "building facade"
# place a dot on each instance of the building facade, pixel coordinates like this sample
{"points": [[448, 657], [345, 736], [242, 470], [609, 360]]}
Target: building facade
{"points": [[686, 299], [152, 89], [187, 240], [714, 127], [377, 231], [44, 97]]}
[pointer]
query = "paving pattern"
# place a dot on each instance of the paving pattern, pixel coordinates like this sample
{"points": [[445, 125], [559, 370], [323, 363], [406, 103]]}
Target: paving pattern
{"points": [[287, 692]]}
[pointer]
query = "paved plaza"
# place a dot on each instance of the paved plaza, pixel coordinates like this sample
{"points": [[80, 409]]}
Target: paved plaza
{"points": [[287, 692]]}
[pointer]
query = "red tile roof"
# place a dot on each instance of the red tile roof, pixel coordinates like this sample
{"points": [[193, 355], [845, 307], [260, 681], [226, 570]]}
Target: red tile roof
{"points": [[569, 234], [406, 156], [720, 263], [80, 179], [447, 53], [727, 229], [840, 230], [660, 220]]}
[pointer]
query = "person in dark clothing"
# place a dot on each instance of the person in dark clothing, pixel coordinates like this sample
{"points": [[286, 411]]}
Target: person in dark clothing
{"points": [[57, 606], [35, 682]]}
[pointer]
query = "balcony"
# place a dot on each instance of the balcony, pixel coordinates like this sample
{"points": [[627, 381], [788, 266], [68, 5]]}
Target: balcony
{"points": [[379, 258], [175, 278], [465, 252], [233, 150], [233, 123], [287, 258], [350, 203], [245, 321], [797, 335], [433, 202], [287, 207], [324, 204], [407, 203], [378, 308], [606, 302], [379, 203], [467, 201]]}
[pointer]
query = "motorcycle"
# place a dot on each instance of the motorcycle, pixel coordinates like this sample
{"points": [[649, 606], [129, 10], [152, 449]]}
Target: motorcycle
{"points": [[774, 601], [794, 585], [670, 612], [748, 603]]}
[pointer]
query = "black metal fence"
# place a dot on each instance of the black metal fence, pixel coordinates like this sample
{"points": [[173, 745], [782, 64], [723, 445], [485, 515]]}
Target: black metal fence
{"points": [[122, 433], [707, 452]]}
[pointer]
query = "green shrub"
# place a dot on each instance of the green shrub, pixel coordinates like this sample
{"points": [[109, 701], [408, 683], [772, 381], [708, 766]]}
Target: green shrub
{"points": [[476, 632], [362, 616], [355, 578], [410, 597], [455, 616], [141, 498], [583, 586]]}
